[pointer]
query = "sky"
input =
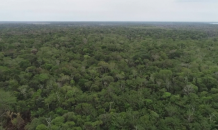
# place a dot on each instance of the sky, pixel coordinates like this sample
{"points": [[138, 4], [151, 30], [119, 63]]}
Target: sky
{"points": [[109, 10]]}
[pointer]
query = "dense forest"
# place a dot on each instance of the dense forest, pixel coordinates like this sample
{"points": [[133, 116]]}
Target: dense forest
{"points": [[108, 76]]}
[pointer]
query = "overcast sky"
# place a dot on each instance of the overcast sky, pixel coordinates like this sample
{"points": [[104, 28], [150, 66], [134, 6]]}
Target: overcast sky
{"points": [[109, 10]]}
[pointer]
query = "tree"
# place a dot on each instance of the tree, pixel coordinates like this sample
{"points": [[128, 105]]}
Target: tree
{"points": [[41, 127], [7, 100]]}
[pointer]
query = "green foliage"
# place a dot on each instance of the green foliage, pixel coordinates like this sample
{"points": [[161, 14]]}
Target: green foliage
{"points": [[58, 121], [148, 101], [72, 82], [166, 94], [43, 77], [75, 76], [41, 127], [34, 123], [6, 101]]}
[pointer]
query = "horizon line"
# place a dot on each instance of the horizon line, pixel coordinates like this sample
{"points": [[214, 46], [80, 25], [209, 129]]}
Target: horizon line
{"points": [[114, 21]]}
